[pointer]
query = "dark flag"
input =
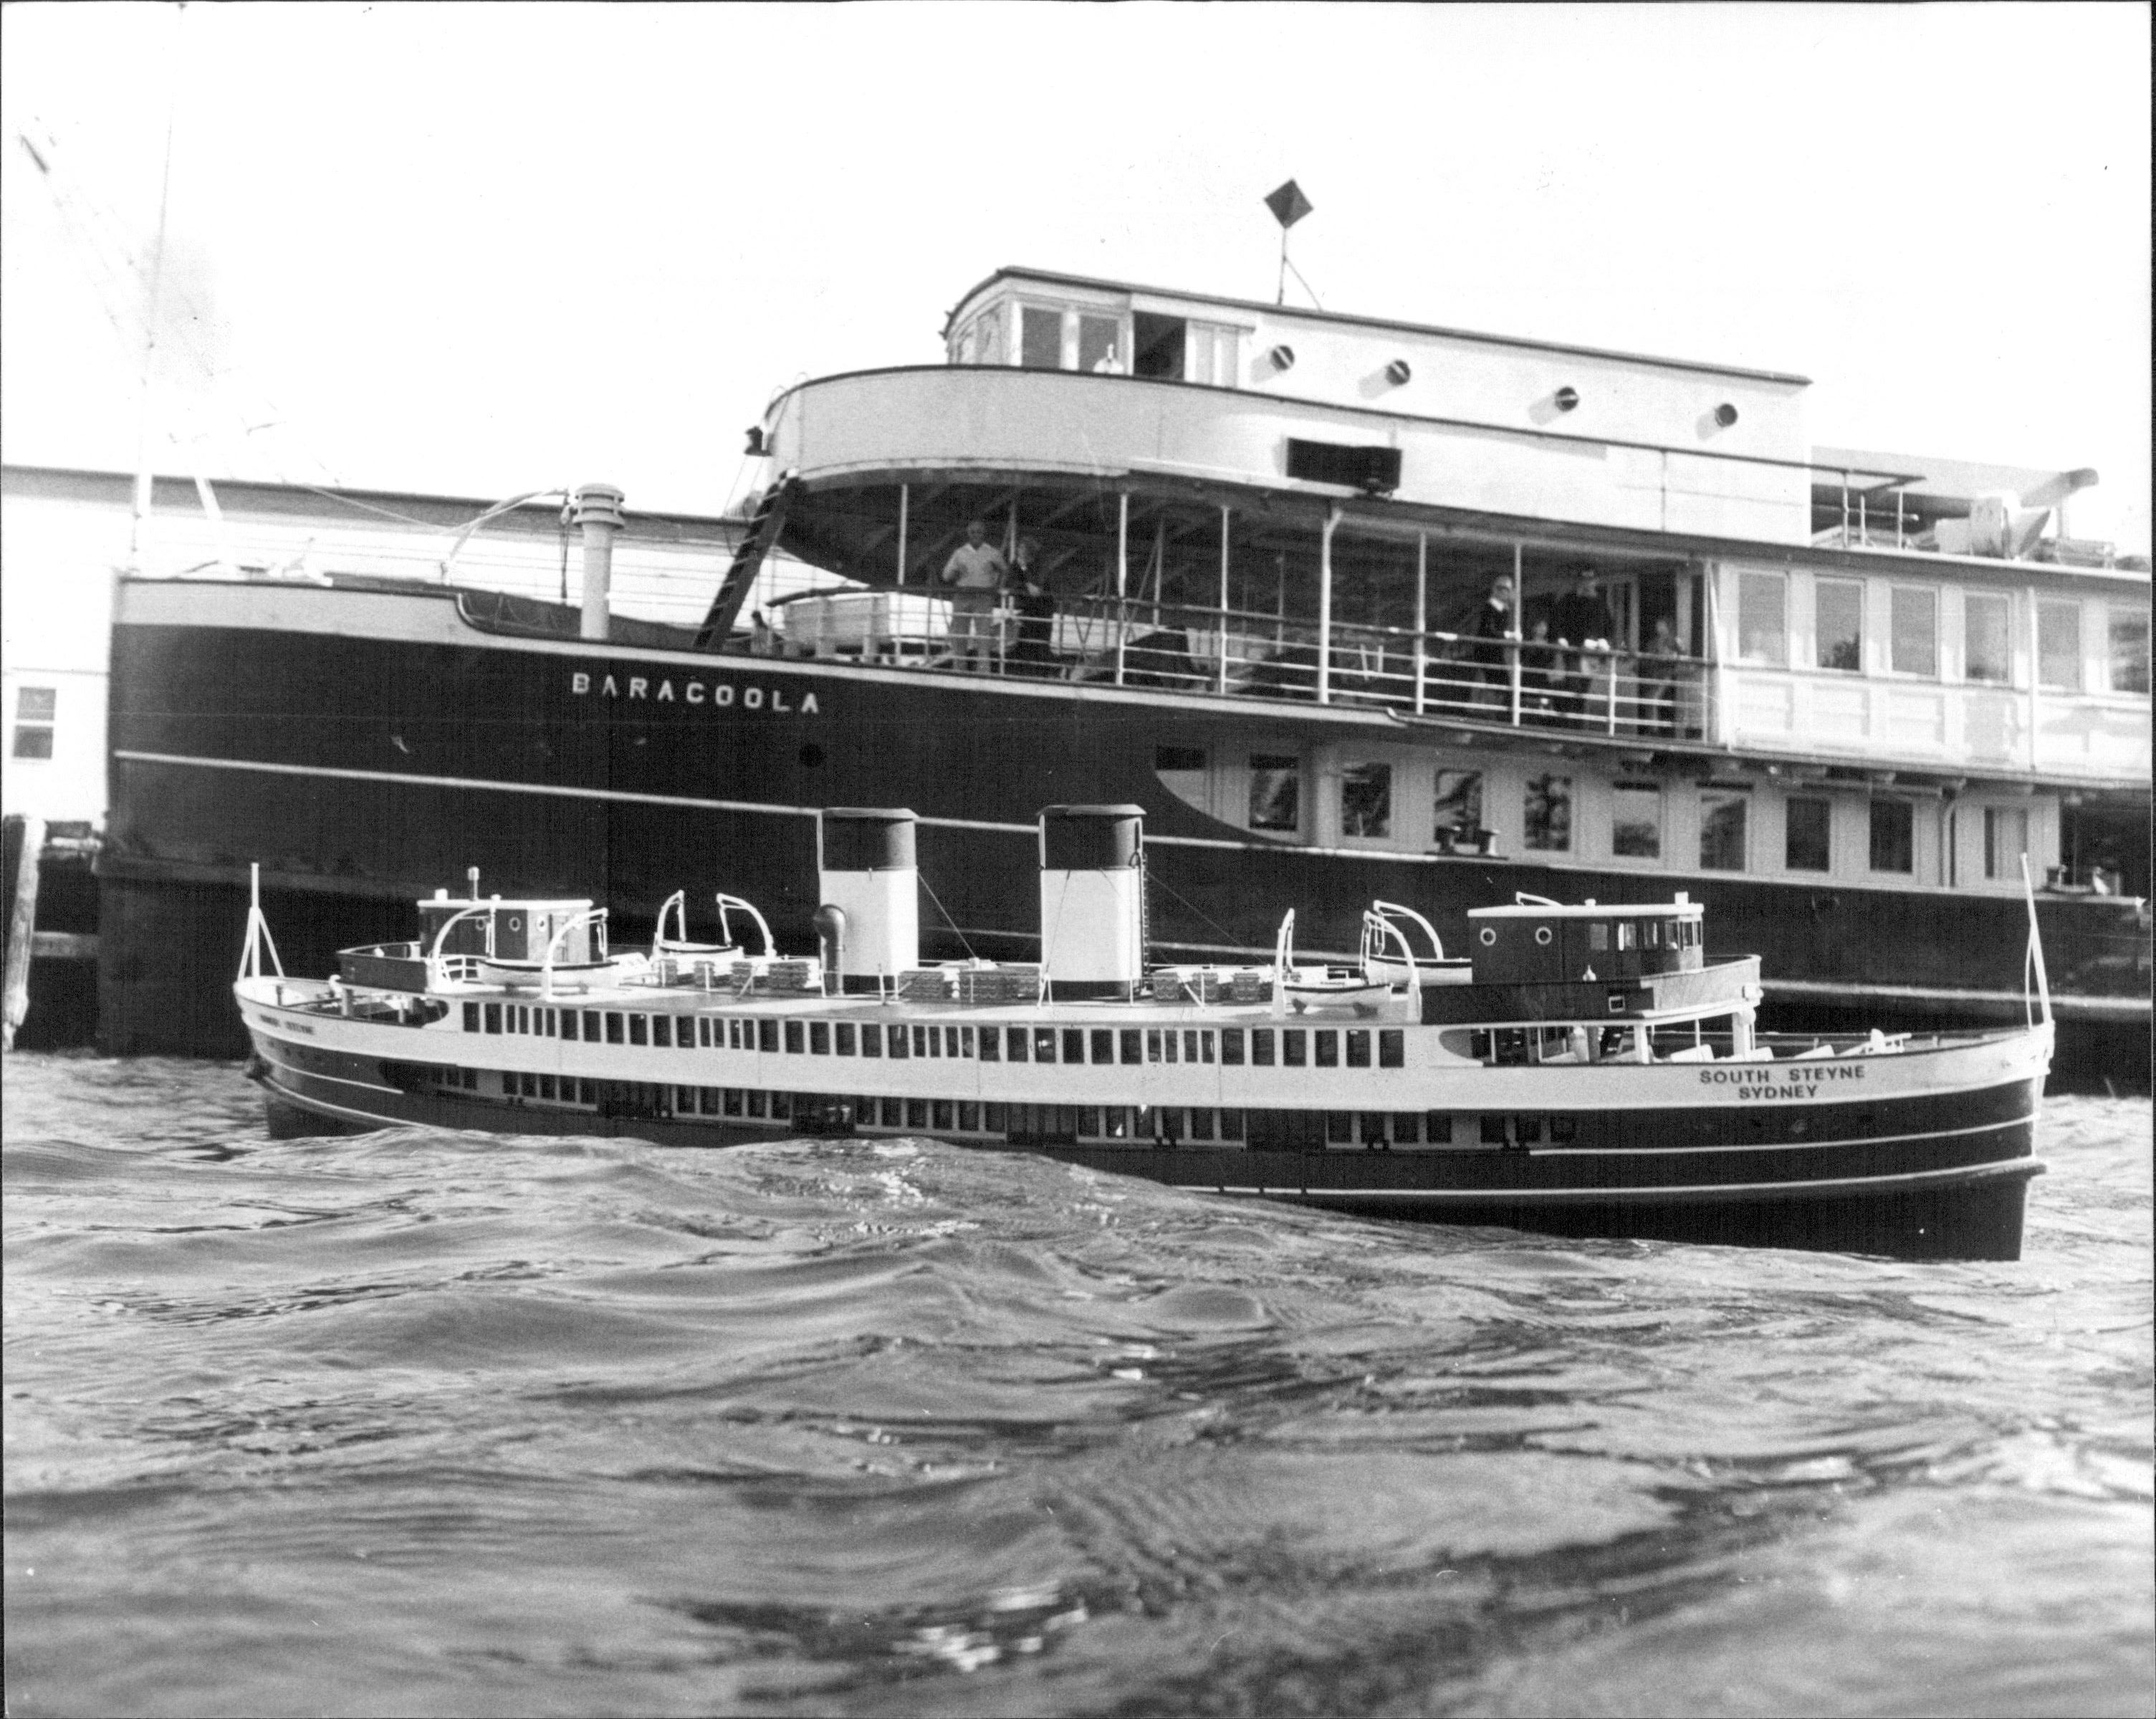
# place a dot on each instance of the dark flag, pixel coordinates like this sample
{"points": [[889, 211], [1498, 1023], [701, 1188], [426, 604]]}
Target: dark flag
{"points": [[1288, 204]]}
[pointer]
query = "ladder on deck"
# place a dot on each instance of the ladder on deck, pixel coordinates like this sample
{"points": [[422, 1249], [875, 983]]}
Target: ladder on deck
{"points": [[764, 526]]}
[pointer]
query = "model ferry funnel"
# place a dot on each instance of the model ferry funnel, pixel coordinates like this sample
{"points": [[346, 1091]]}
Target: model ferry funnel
{"points": [[1092, 899], [865, 871]]}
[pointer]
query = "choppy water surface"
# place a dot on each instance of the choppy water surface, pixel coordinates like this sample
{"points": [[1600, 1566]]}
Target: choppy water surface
{"points": [[426, 1423]]}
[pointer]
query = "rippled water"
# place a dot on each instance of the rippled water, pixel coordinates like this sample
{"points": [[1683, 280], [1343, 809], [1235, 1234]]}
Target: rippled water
{"points": [[426, 1423]]}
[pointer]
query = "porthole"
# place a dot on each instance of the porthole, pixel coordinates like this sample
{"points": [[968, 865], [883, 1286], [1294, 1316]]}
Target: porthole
{"points": [[1489, 935], [1542, 934]]}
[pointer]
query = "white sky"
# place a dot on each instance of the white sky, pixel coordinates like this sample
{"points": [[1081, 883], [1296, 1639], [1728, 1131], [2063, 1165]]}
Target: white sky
{"points": [[485, 249]]}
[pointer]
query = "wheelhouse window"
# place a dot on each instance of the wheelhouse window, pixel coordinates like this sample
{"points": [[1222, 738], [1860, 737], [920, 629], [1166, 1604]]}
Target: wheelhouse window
{"points": [[2127, 657], [2005, 840], [1458, 804], [1838, 607], [1761, 619], [1041, 338], [2059, 646], [1549, 814], [1636, 821], [1366, 801], [1894, 836], [1275, 791], [1157, 346], [1808, 834], [1723, 819], [36, 711], [1913, 634], [1987, 635], [1099, 345]]}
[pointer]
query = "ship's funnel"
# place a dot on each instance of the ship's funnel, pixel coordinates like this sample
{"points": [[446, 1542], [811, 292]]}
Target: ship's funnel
{"points": [[1092, 899], [864, 869]]}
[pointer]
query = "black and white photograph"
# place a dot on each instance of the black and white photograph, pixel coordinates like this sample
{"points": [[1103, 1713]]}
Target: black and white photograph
{"points": [[978, 857]]}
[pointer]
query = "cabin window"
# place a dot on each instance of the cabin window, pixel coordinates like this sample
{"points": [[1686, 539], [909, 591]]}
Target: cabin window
{"points": [[1209, 355], [1838, 607], [1275, 791], [767, 1036], [1104, 1044], [1014, 1041], [1231, 1046], [36, 709], [819, 1038], [1358, 1048], [591, 1026], [1636, 821], [637, 1034], [1459, 805], [1327, 1047], [1043, 1044], [1294, 1052], [662, 1032], [1721, 821], [1262, 1047], [793, 1037], [1366, 801], [2059, 646], [1157, 344], [992, 1044], [493, 1017], [1152, 1045], [471, 1017], [844, 1034], [1894, 836], [1392, 1048], [1231, 1125], [1548, 809], [1132, 1047], [1914, 638], [1041, 338], [1099, 345], [1201, 1125], [1761, 619], [1807, 833], [1987, 638], [2005, 840], [1169, 760], [957, 1041], [1628, 934], [2127, 658]]}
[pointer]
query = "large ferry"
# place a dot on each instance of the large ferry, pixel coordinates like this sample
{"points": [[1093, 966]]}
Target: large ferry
{"points": [[1584, 1069], [1353, 608]]}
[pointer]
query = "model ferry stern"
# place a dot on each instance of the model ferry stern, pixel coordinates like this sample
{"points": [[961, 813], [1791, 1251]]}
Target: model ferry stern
{"points": [[1583, 1070]]}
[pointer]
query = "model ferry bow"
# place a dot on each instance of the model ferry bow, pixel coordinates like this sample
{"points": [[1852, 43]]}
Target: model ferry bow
{"points": [[1586, 1070]]}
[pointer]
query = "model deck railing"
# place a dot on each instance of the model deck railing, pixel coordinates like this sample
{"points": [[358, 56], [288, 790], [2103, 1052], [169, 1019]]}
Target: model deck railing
{"points": [[1107, 641]]}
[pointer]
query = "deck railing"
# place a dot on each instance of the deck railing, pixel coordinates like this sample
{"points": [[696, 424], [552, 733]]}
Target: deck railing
{"points": [[1238, 653]]}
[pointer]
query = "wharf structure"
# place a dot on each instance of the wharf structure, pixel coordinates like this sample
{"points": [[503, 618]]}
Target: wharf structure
{"points": [[1842, 694]]}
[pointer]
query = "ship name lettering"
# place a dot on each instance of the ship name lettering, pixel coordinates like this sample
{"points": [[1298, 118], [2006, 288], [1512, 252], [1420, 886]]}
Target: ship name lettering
{"points": [[718, 694]]}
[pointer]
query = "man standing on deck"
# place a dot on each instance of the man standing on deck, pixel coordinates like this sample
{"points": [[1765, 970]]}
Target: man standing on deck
{"points": [[1583, 620], [975, 573]]}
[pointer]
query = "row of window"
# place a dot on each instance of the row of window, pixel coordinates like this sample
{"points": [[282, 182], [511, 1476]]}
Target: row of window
{"points": [[1913, 630], [1637, 818], [1295, 1047], [1028, 1125]]}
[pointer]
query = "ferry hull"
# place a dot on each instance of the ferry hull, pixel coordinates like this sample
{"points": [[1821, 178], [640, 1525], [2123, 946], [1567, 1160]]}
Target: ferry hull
{"points": [[1922, 1176], [362, 750]]}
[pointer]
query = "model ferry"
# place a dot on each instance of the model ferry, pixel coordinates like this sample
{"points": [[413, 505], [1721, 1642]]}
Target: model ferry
{"points": [[1583, 1070]]}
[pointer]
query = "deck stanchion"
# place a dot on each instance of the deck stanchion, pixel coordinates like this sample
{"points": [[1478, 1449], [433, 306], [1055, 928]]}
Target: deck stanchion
{"points": [[905, 495], [1324, 687], [1518, 631], [1220, 677], [1123, 575], [1422, 612]]}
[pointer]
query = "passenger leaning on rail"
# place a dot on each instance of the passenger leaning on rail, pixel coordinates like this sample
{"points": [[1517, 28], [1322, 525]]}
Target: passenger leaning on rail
{"points": [[973, 574]]}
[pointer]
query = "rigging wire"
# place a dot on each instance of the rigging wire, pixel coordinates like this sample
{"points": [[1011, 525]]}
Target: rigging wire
{"points": [[948, 921]]}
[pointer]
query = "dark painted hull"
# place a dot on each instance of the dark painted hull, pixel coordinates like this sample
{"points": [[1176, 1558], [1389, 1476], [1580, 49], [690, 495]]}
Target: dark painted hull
{"points": [[1941, 1176], [374, 769]]}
